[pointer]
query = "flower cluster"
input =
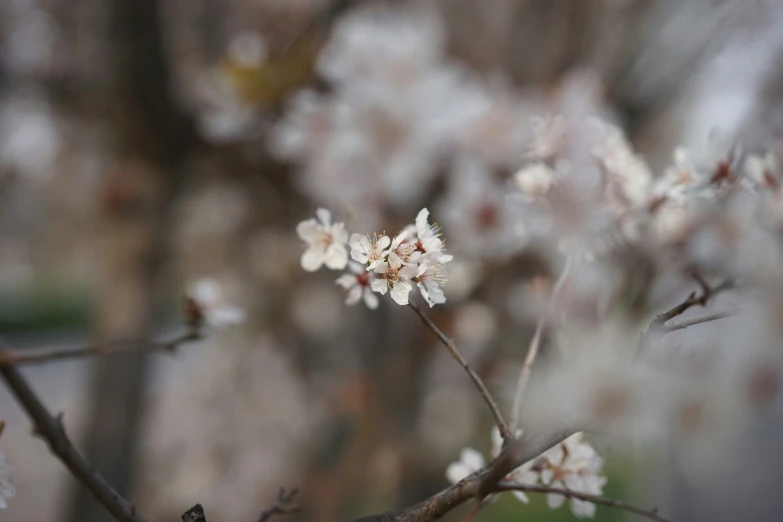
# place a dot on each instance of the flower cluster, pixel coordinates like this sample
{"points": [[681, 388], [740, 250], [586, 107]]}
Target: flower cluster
{"points": [[572, 464], [415, 256]]}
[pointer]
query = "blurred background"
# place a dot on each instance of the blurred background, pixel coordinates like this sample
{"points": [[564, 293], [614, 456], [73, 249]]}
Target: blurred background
{"points": [[147, 144]]}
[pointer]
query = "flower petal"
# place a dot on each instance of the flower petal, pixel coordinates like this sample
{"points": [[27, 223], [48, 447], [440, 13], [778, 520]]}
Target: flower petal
{"points": [[353, 295], [336, 256], [324, 215], [370, 299], [520, 495], [312, 259], [308, 230], [400, 292], [380, 286]]}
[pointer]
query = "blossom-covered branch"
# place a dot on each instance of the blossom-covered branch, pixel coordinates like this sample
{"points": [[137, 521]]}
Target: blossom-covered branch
{"points": [[51, 429]]}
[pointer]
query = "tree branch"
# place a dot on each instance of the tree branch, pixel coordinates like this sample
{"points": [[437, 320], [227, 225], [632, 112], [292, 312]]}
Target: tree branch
{"points": [[535, 342], [284, 505], [657, 326], [10, 358], [702, 319], [449, 344], [651, 514], [51, 429]]}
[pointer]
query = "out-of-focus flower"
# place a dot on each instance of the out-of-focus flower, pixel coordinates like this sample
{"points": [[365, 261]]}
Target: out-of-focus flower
{"points": [[357, 286], [325, 242], [210, 304], [548, 137], [535, 180], [369, 251], [573, 464], [7, 489], [470, 461]]}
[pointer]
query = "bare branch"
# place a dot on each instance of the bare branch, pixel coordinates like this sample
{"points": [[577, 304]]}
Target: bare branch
{"points": [[702, 319], [651, 514], [9, 358], [51, 429], [284, 505], [449, 344], [657, 326], [535, 342]]}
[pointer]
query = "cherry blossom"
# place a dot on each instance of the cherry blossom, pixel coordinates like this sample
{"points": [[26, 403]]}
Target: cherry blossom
{"points": [[357, 286], [573, 464], [396, 276], [209, 296], [325, 242], [7, 489], [369, 251], [470, 461]]}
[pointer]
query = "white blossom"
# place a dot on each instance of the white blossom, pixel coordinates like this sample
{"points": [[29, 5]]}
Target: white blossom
{"points": [[396, 276], [369, 251], [325, 242], [535, 180], [7, 489], [573, 464], [431, 278], [470, 461], [357, 286], [210, 297]]}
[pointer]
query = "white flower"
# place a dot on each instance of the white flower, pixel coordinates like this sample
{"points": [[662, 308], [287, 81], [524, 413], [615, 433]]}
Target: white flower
{"points": [[427, 239], [573, 464], [396, 275], [431, 277], [208, 295], [357, 285], [470, 461], [369, 251], [325, 242], [535, 180], [7, 489]]}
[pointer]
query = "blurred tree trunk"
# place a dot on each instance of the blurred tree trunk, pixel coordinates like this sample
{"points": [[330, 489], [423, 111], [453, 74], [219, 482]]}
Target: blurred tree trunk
{"points": [[151, 138]]}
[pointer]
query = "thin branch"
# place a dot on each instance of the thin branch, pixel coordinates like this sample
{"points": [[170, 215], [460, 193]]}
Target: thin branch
{"points": [[284, 505], [449, 344], [51, 429], [9, 358], [657, 326], [702, 319], [535, 343], [651, 514]]}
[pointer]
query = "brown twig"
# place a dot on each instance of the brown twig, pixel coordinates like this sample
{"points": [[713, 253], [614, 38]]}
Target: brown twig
{"points": [[449, 344], [194, 514], [535, 343], [657, 326], [9, 358], [51, 429], [475, 486], [702, 319], [651, 514], [284, 505]]}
